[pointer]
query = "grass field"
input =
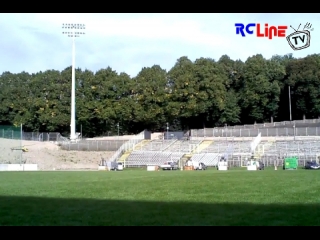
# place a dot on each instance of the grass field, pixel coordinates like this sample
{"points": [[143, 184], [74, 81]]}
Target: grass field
{"points": [[138, 197]]}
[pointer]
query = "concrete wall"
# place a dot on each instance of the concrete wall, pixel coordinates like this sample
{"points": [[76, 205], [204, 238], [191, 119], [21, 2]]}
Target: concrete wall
{"points": [[92, 145]]}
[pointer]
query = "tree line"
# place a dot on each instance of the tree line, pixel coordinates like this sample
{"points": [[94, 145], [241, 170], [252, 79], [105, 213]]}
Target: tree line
{"points": [[192, 94]]}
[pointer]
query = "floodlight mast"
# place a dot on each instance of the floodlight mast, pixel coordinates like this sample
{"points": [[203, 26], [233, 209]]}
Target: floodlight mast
{"points": [[73, 31]]}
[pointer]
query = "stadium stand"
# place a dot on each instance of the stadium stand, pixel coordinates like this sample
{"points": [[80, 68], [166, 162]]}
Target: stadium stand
{"points": [[159, 151], [209, 159], [157, 145], [305, 150], [183, 146], [296, 138]]}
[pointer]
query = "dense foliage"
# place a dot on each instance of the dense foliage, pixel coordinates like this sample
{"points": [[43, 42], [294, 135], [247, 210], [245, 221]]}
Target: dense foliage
{"points": [[203, 93]]}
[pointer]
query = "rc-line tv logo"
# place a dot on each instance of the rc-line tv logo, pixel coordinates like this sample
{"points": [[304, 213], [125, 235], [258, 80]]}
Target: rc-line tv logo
{"points": [[297, 40], [300, 39]]}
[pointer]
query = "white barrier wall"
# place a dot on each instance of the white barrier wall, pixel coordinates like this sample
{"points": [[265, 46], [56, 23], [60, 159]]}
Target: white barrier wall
{"points": [[30, 167], [18, 167]]}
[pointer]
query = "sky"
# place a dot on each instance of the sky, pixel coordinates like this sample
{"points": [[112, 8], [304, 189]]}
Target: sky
{"points": [[128, 42]]}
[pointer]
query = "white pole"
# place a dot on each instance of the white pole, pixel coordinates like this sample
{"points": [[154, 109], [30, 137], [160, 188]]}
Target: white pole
{"points": [[73, 28], [73, 110]]}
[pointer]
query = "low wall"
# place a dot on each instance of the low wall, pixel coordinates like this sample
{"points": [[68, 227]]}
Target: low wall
{"points": [[94, 145], [18, 167]]}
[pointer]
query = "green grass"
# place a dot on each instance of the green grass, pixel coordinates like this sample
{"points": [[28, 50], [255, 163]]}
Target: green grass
{"points": [[138, 197]]}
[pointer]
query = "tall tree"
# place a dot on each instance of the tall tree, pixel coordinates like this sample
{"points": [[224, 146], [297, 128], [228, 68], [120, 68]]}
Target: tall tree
{"points": [[304, 79], [261, 91], [149, 96], [203, 93]]}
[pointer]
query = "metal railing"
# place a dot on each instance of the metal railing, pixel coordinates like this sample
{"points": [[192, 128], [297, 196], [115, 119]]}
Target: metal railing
{"points": [[274, 124], [31, 136], [128, 145]]}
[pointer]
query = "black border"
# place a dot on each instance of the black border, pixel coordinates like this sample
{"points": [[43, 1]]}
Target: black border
{"points": [[151, 6], [158, 7]]}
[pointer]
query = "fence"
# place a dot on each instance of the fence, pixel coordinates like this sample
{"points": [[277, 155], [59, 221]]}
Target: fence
{"points": [[274, 124], [81, 145], [265, 132], [41, 136], [286, 128], [10, 145], [12, 133]]}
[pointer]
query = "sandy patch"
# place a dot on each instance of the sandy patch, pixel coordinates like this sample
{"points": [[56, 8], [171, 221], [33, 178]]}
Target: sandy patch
{"points": [[49, 156]]}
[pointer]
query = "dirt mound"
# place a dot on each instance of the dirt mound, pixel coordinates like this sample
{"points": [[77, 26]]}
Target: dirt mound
{"points": [[49, 156], [10, 151]]}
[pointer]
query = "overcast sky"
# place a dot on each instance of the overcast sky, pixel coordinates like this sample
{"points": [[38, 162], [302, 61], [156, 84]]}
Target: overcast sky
{"points": [[129, 42]]}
